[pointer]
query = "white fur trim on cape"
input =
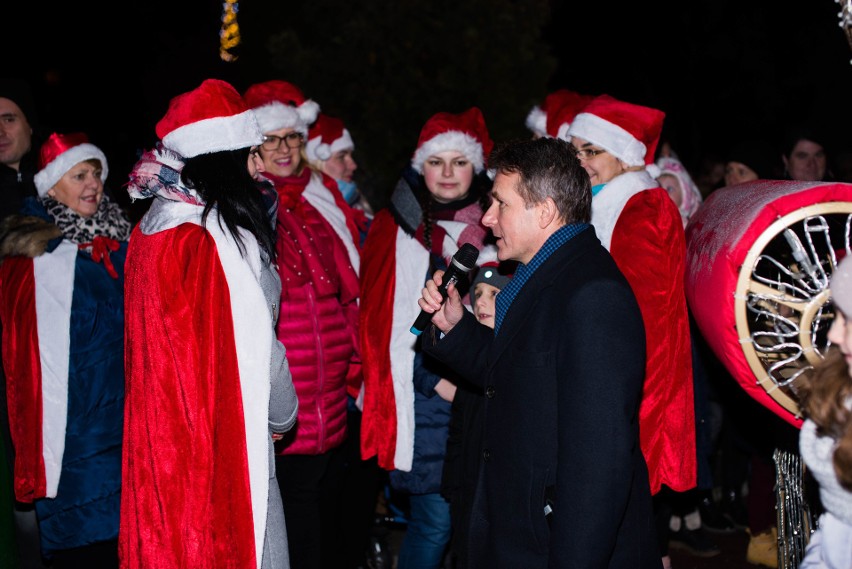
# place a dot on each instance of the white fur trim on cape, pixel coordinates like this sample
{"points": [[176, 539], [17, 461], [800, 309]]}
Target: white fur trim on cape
{"points": [[537, 121], [54, 291], [215, 135], [318, 149], [321, 198], [450, 140], [608, 136], [47, 177], [411, 268], [412, 264], [610, 201], [275, 116], [253, 330]]}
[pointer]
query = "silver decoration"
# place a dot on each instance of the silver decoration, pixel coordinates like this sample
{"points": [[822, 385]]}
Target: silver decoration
{"points": [[795, 522]]}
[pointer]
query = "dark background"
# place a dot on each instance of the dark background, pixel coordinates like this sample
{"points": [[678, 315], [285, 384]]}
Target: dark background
{"points": [[721, 70]]}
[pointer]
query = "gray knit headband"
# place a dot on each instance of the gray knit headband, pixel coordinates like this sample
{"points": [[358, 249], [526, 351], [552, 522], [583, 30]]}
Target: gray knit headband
{"points": [[841, 286]]}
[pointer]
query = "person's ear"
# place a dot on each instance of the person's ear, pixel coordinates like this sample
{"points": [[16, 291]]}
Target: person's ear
{"points": [[548, 212]]}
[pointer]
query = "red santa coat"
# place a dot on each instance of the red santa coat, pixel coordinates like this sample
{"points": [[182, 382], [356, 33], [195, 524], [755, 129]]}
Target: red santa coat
{"points": [[198, 336], [328, 200], [35, 349], [393, 271], [641, 226]]}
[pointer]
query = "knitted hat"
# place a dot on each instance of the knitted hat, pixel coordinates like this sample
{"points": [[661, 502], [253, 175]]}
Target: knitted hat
{"points": [[60, 153], [491, 273], [464, 132], [691, 198], [563, 110], [279, 104], [327, 136], [18, 91], [841, 286], [210, 118], [758, 155], [627, 131]]}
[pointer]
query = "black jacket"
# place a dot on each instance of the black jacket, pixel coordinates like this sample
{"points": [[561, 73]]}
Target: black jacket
{"points": [[16, 185], [562, 383]]}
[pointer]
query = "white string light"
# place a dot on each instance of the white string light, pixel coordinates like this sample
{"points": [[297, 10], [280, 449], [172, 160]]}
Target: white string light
{"points": [[845, 16]]}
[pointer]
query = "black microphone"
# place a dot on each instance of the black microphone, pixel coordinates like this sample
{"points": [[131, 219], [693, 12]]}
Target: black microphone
{"points": [[461, 264]]}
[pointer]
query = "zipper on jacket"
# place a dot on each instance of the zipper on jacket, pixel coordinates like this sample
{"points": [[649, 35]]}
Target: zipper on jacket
{"points": [[320, 372]]}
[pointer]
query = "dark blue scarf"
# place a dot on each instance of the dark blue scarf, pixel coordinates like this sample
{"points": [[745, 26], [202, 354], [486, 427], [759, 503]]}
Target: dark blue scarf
{"points": [[507, 296]]}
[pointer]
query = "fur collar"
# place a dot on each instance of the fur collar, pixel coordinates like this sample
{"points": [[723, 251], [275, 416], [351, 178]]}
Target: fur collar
{"points": [[26, 235]]}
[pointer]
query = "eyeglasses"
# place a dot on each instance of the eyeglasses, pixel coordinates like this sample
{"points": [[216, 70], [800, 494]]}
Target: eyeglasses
{"points": [[254, 151], [272, 142], [588, 153]]}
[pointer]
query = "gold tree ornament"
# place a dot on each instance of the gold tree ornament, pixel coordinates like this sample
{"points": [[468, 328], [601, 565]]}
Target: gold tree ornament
{"points": [[229, 33], [845, 16]]}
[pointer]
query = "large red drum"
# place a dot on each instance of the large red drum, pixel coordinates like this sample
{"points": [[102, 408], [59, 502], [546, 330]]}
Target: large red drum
{"points": [[759, 257]]}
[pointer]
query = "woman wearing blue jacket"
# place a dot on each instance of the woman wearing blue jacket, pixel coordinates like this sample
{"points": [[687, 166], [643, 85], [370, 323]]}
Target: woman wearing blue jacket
{"points": [[62, 312]]}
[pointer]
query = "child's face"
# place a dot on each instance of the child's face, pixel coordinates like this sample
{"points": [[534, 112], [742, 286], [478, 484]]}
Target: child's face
{"points": [[483, 303]]}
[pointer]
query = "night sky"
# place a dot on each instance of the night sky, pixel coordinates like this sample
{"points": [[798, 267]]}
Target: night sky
{"points": [[721, 70]]}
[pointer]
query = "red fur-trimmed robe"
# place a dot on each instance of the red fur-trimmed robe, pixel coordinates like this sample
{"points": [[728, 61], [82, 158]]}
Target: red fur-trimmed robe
{"points": [[394, 267], [196, 439], [37, 312], [640, 225]]}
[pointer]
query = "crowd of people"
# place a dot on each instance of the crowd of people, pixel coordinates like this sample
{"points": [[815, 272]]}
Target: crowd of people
{"points": [[233, 380]]}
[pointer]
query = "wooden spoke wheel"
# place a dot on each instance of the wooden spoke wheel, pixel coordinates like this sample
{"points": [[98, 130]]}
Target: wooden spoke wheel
{"points": [[783, 302]]}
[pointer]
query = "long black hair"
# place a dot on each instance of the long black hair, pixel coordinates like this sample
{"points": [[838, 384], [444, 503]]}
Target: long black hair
{"points": [[222, 180]]}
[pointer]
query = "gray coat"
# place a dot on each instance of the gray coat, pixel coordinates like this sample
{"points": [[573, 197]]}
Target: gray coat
{"points": [[283, 406]]}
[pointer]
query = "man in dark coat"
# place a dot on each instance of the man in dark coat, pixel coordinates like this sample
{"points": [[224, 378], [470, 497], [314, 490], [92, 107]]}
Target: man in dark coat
{"points": [[18, 165], [562, 481], [18, 152]]}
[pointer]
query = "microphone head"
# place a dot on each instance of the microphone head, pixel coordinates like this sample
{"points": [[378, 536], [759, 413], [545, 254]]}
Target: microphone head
{"points": [[466, 257]]}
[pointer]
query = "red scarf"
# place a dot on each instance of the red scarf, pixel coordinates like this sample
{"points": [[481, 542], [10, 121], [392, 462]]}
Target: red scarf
{"points": [[290, 188]]}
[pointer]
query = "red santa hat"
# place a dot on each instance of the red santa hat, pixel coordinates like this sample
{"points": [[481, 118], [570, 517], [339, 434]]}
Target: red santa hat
{"points": [[464, 132], [567, 107], [210, 118], [327, 136], [538, 118], [279, 104], [627, 131], [60, 153]]}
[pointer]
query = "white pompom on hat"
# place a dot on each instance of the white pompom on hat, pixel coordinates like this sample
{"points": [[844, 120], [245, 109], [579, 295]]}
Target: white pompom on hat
{"points": [[327, 136], [841, 286], [279, 104], [60, 153], [464, 132], [627, 131], [536, 121], [211, 118]]}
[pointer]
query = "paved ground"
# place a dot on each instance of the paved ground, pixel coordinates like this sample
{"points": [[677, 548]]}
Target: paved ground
{"points": [[732, 556]]}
